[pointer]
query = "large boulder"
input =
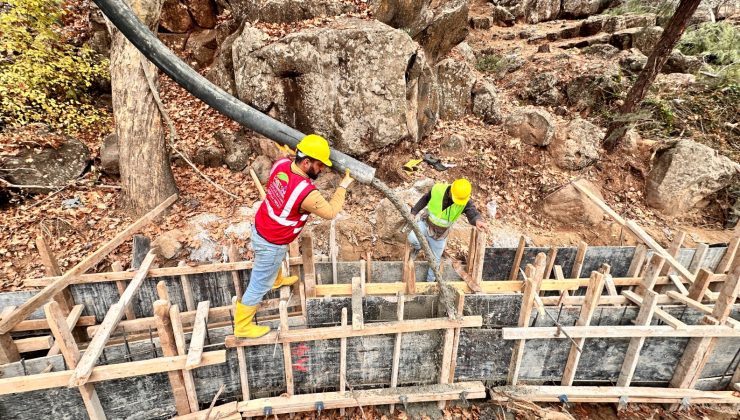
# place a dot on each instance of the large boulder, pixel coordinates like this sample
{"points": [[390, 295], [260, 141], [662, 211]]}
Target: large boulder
{"points": [[647, 38], [502, 16], [362, 84], [486, 104], [388, 222], [541, 10], [570, 207], [438, 25], [109, 155], [202, 47], [285, 11], [60, 160], [221, 72], [582, 8], [455, 79], [576, 145], [543, 90], [175, 17], [532, 125], [237, 148], [684, 174], [261, 167], [203, 12]]}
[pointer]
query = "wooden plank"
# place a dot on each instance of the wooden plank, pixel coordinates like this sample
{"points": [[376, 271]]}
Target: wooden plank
{"points": [[162, 293], [650, 277], [8, 350], [187, 376], [659, 313], [187, 288], [409, 271], [531, 288], [611, 288], [362, 398], [121, 286], [400, 303], [169, 349], [729, 256], [601, 204], [62, 332], [647, 309], [612, 394], [112, 317], [58, 285], [673, 250], [678, 284], [551, 255], [42, 324], [343, 359], [227, 411], [623, 331], [287, 358], [257, 184], [638, 260], [309, 270], [456, 340], [333, 250], [358, 318], [476, 254], [578, 262], [595, 287], [51, 268], [27, 345], [375, 328], [698, 258], [700, 307], [650, 242], [514, 273], [699, 288], [447, 351], [72, 318], [369, 259], [235, 257], [197, 339]]}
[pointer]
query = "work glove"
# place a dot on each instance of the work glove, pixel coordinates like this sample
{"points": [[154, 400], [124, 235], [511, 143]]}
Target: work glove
{"points": [[347, 180]]}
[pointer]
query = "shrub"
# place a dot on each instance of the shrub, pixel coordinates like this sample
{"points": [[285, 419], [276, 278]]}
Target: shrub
{"points": [[719, 46], [44, 78]]}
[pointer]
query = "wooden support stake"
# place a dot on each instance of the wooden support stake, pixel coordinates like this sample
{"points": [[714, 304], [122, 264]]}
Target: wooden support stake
{"points": [[514, 273], [678, 297], [409, 270], [369, 259], [287, 359], [241, 356], [39, 299], [729, 256], [647, 309], [578, 262], [531, 289], [678, 284], [257, 184], [595, 287], [8, 350], [448, 345], [121, 286], [197, 339], [358, 318], [638, 260], [169, 349], [309, 270], [343, 359], [400, 303], [68, 347], [235, 257], [112, 317], [456, 341], [72, 318], [698, 258], [699, 288], [64, 298], [651, 274], [659, 313], [558, 272], [674, 249], [162, 293], [333, 252], [187, 376], [611, 289], [551, 255]]}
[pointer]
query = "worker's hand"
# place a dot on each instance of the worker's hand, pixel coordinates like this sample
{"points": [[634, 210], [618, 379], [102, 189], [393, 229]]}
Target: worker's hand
{"points": [[347, 180], [481, 224]]}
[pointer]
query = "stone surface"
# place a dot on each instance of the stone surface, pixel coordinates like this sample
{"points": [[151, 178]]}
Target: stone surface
{"points": [[203, 12], [647, 38], [455, 80], [541, 10], [209, 156], [202, 47], [360, 83], [532, 125], [453, 145], [481, 22], [684, 174], [594, 90], [221, 72], [633, 62], [44, 165], [568, 206], [543, 90], [438, 25], [261, 166], [237, 148], [502, 16], [466, 52], [486, 103], [175, 17], [109, 155], [576, 145], [175, 42], [601, 50], [582, 8], [169, 244], [286, 11], [679, 63]]}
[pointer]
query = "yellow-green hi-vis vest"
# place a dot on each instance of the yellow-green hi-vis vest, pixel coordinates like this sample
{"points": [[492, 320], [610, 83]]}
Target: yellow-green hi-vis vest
{"points": [[442, 218]]}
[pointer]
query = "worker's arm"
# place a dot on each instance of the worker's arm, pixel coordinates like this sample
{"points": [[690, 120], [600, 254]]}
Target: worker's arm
{"points": [[423, 201], [315, 203], [472, 213]]}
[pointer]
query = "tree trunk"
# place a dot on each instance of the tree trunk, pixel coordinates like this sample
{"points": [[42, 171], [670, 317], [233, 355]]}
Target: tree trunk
{"points": [[146, 176], [672, 33]]}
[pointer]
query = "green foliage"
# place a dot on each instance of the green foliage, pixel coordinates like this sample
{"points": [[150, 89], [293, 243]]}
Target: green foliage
{"points": [[661, 109], [493, 63], [663, 8], [43, 78], [719, 45]]}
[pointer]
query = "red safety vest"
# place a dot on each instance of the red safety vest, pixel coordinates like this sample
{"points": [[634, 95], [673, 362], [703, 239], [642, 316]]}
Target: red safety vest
{"points": [[279, 219]]}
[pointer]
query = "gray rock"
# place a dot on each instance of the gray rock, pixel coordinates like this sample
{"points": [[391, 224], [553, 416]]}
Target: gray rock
{"points": [[203, 12], [438, 25], [576, 145], [623, 39], [593, 91], [686, 173], [569, 207], [43, 165], [481, 22], [601, 50], [502, 16], [221, 72], [202, 47], [109, 155], [175, 42], [532, 125], [209, 156], [634, 62], [541, 10], [647, 38], [261, 167], [486, 103], [237, 148], [455, 80], [543, 90], [582, 8], [175, 17], [466, 52], [453, 145], [286, 11], [679, 63], [360, 83]]}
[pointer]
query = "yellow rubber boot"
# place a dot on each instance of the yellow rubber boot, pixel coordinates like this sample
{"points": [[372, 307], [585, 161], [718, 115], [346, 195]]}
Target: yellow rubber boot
{"points": [[244, 325], [281, 281]]}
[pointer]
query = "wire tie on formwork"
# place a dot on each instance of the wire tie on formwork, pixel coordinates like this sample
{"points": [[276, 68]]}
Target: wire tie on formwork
{"points": [[404, 400], [267, 411], [319, 407], [208, 336], [126, 347], [463, 398], [685, 403], [623, 400], [563, 399]]}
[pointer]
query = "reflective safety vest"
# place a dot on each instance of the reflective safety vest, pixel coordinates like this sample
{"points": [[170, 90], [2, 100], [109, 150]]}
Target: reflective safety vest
{"points": [[439, 217], [279, 219]]}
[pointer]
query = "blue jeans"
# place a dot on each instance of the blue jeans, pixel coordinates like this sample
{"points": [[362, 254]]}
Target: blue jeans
{"points": [[437, 245], [267, 260]]}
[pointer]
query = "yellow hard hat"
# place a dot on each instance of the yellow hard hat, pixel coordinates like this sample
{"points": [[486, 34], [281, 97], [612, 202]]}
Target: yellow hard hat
{"points": [[316, 147], [461, 191]]}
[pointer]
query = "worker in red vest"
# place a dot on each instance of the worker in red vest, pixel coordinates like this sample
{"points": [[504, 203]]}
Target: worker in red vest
{"points": [[291, 198]]}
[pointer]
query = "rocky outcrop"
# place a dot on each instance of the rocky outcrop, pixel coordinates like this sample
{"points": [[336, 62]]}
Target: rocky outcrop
{"points": [[582, 8], [175, 17], [202, 47], [486, 103], [686, 173], [575, 145], [593, 90], [532, 125], [569, 207], [237, 148], [502, 16], [203, 12], [455, 80], [388, 222], [286, 11], [541, 10], [261, 167], [109, 155], [647, 38], [438, 25], [360, 83], [221, 71], [543, 90]]}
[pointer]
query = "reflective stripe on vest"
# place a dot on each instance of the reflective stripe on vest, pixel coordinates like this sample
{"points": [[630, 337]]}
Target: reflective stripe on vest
{"points": [[282, 219], [437, 216]]}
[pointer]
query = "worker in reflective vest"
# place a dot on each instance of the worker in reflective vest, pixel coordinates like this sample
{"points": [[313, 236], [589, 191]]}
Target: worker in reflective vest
{"points": [[442, 206], [290, 198]]}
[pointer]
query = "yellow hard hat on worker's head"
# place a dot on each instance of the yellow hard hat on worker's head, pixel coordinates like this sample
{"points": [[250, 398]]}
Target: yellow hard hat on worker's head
{"points": [[316, 147], [461, 191]]}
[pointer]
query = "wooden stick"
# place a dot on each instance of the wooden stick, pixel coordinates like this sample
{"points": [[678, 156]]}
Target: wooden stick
{"points": [[162, 293], [400, 301], [735, 324], [358, 318], [257, 184], [633, 350], [187, 375], [66, 343], [64, 298], [448, 345], [58, 285], [698, 258], [197, 339], [621, 331], [729, 255], [343, 359], [531, 288], [114, 315], [595, 287], [369, 259], [699, 288], [121, 286], [611, 288], [456, 341], [578, 262], [287, 359], [558, 272], [659, 313], [638, 260], [309, 271], [27, 345], [187, 289], [42, 324], [8, 350], [169, 349], [674, 249], [678, 284], [611, 394], [235, 257], [71, 320], [514, 273], [551, 255], [651, 274], [409, 271], [333, 252]]}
